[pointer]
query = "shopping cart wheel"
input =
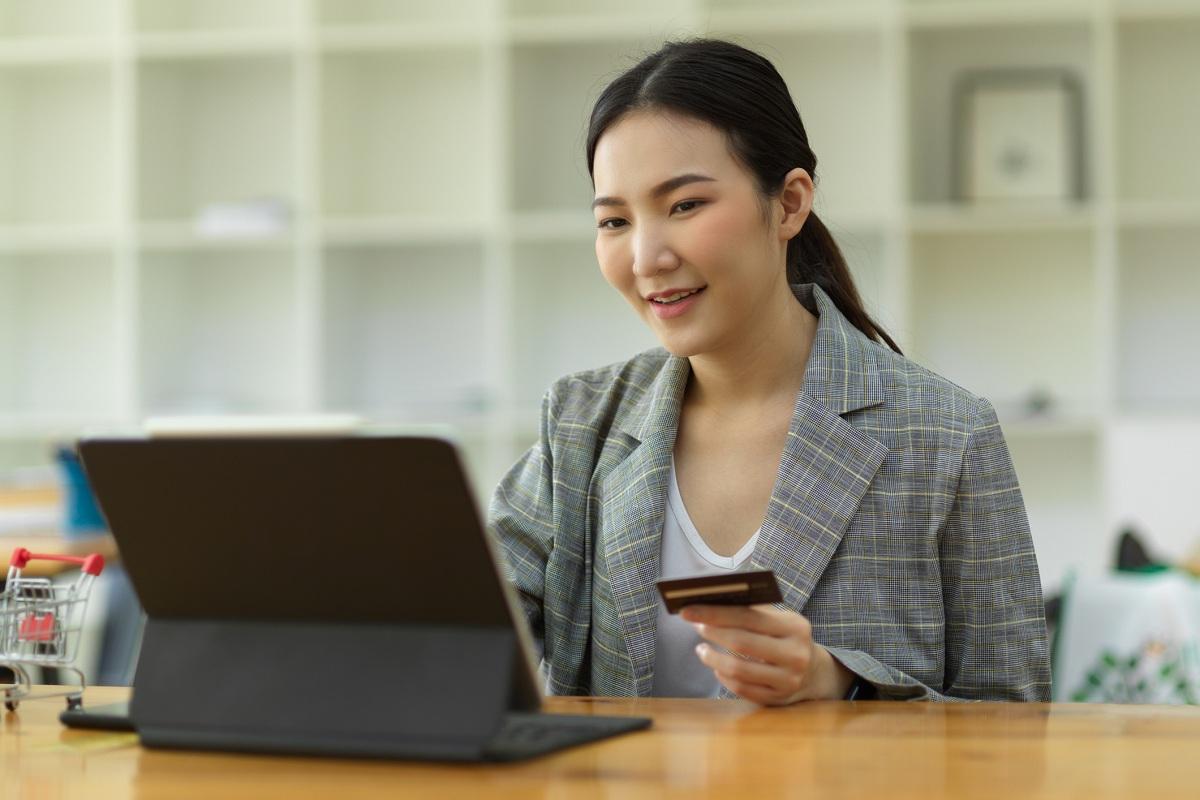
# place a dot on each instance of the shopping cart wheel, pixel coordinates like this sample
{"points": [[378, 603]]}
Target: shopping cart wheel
{"points": [[11, 705]]}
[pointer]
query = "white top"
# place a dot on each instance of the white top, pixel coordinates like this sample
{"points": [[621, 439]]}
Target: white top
{"points": [[678, 671]]}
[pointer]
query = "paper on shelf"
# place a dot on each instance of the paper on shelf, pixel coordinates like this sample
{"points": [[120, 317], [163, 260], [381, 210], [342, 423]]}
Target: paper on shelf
{"points": [[251, 218]]}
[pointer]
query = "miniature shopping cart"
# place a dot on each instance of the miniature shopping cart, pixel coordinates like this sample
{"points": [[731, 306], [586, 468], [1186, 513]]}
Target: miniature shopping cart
{"points": [[40, 624]]}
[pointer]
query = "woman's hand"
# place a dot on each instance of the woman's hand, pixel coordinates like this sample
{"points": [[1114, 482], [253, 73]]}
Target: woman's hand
{"points": [[772, 658]]}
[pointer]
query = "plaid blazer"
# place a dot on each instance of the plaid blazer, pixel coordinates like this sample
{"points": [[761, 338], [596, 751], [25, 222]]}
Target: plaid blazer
{"points": [[896, 525]]}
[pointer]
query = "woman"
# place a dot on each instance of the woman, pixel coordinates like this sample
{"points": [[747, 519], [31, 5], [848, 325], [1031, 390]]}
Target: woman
{"points": [[772, 430]]}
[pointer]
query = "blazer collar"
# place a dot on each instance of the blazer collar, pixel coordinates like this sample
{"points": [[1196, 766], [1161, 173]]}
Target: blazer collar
{"points": [[826, 466], [842, 371]]}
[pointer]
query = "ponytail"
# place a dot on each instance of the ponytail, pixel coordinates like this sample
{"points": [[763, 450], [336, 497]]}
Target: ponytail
{"points": [[814, 257]]}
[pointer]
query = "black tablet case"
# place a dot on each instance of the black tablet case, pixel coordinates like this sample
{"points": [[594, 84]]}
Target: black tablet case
{"points": [[331, 595]]}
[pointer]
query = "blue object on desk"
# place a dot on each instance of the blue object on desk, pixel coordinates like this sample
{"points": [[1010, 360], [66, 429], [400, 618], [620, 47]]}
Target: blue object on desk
{"points": [[81, 513]]}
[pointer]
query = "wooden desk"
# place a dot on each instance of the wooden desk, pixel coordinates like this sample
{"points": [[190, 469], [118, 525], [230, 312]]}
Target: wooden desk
{"points": [[696, 748]]}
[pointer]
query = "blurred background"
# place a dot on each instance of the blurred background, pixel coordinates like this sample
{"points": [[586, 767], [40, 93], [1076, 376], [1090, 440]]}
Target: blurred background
{"points": [[381, 208]]}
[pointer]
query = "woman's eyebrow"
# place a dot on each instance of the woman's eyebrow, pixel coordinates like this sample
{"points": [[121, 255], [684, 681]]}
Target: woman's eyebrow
{"points": [[666, 187]]}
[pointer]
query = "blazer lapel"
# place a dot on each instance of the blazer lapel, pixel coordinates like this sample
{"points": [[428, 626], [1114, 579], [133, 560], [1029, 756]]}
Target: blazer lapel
{"points": [[633, 506], [825, 470], [827, 464]]}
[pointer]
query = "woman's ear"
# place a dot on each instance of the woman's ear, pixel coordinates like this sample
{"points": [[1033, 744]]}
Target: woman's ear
{"points": [[794, 203]]}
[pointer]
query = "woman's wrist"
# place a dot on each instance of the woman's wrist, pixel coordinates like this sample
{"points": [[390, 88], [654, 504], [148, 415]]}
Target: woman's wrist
{"points": [[834, 680]]}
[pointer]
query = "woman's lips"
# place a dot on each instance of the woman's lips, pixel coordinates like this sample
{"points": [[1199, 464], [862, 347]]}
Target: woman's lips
{"points": [[671, 310]]}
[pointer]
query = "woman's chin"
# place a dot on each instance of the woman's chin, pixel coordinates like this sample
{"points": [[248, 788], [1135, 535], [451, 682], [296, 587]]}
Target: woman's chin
{"points": [[681, 346]]}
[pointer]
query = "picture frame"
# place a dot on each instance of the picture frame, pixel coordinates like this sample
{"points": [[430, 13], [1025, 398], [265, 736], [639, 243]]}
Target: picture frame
{"points": [[1018, 137]]}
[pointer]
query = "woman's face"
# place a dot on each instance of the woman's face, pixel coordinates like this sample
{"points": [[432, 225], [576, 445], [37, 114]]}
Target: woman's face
{"points": [[677, 214]]}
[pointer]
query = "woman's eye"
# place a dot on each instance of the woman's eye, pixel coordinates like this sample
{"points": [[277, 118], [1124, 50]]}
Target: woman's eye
{"points": [[683, 206]]}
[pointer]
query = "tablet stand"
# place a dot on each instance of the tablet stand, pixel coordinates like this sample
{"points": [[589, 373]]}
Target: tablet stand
{"points": [[275, 686]]}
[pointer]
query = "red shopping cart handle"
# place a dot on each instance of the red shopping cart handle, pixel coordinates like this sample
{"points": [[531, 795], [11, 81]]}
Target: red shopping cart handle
{"points": [[92, 564]]}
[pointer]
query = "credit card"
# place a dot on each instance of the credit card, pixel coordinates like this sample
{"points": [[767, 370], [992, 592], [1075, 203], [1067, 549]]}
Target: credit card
{"points": [[728, 589]]}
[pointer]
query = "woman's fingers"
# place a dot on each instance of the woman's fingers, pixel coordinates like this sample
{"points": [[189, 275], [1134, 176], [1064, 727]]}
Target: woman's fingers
{"points": [[777, 680], [770, 650], [786, 653], [764, 619]]}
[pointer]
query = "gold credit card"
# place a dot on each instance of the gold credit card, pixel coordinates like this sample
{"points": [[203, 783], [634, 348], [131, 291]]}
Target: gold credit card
{"points": [[726, 589]]}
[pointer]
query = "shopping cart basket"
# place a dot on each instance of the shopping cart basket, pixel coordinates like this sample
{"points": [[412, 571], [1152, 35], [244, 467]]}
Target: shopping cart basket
{"points": [[40, 624]]}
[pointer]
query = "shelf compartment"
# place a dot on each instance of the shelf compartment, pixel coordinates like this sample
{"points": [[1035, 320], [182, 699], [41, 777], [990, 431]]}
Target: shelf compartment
{"points": [[56, 53], [480, 460], [376, 160], [559, 10], [404, 332], [1060, 478], [1159, 214], [567, 318], [595, 31], [1158, 110], [58, 328], [1157, 9], [627, 10], [429, 37], [213, 131], [772, 16], [22, 454], [1047, 426], [429, 229], [965, 218], [57, 153], [938, 60], [218, 332], [1158, 321], [1150, 470], [955, 13], [167, 47], [549, 226], [177, 236], [554, 88], [375, 13], [1010, 318], [216, 15], [31, 20], [55, 238], [49, 426]]}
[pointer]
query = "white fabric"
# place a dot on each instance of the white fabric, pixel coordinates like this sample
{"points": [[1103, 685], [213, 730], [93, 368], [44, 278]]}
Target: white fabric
{"points": [[1129, 638], [678, 671]]}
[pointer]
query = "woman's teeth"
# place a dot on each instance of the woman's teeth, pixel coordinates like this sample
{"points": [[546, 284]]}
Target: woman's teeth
{"points": [[677, 296]]}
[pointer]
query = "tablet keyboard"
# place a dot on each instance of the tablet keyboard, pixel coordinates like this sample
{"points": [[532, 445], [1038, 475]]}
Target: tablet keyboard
{"points": [[523, 735]]}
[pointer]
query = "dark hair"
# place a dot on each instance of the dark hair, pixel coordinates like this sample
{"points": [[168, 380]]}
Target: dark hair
{"points": [[741, 94]]}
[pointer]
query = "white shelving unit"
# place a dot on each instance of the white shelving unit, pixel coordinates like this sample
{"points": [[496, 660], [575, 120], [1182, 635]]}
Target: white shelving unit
{"points": [[218, 331], [378, 295], [434, 262]]}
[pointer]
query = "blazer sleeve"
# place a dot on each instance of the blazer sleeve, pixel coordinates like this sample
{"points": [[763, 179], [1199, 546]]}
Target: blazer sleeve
{"points": [[995, 622], [520, 517]]}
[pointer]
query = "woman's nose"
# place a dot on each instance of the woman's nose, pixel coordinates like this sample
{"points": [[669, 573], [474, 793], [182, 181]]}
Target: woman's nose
{"points": [[652, 253]]}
